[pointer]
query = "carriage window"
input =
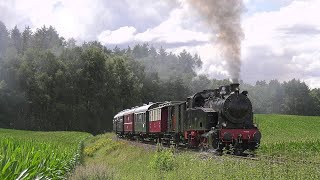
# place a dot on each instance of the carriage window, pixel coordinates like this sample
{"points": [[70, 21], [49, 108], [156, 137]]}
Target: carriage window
{"points": [[152, 115]]}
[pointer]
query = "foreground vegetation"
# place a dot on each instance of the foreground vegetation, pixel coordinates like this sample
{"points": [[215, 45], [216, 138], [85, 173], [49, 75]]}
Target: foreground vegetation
{"points": [[42, 155], [288, 144]]}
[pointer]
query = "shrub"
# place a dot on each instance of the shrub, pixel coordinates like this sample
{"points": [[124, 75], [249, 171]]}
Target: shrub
{"points": [[163, 159]]}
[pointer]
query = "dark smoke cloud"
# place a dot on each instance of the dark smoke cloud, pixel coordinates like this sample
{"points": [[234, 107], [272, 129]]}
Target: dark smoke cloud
{"points": [[223, 17]]}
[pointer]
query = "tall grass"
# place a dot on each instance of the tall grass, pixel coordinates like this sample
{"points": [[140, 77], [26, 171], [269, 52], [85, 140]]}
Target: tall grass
{"points": [[42, 155]]}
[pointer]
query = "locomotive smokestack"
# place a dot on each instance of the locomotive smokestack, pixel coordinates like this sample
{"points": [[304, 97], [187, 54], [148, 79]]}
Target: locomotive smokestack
{"points": [[235, 87], [223, 17]]}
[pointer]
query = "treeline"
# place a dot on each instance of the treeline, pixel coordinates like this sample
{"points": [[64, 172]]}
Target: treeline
{"points": [[49, 83], [292, 97]]}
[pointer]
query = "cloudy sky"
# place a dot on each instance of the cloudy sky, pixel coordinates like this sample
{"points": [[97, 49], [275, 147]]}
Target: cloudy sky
{"points": [[282, 37]]}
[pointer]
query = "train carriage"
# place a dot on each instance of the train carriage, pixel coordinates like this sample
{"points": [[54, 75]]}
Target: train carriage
{"points": [[128, 122], [141, 118], [118, 122], [158, 120]]}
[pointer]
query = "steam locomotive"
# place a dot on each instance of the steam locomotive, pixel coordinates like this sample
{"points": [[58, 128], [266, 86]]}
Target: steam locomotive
{"points": [[212, 119]]}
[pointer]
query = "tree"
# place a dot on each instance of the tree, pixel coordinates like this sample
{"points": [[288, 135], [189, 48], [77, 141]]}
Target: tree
{"points": [[26, 38], [297, 99], [4, 39], [47, 38], [16, 39], [199, 83], [277, 94], [315, 95], [127, 84], [71, 43]]}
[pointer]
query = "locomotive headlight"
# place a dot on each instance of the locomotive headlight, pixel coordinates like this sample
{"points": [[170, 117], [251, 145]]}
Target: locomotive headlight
{"points": [[227, 136]]}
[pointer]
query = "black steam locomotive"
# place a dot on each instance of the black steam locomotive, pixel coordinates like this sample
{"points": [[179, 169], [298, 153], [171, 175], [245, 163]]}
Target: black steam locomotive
{"points": [[212, 119]]}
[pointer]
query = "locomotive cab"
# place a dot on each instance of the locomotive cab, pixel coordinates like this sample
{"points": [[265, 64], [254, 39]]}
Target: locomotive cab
{"points": [[199, 115]]}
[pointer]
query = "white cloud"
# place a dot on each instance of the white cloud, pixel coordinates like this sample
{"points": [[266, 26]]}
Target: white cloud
{"points": [[119, 36], [264, 28], [83, 19], [172, 30], [309, 63], [288, 45], [71, 19], [168, 32]]}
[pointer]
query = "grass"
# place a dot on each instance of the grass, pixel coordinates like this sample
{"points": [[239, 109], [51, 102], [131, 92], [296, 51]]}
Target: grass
{"points": [[291, 137], [42, 155], [280, 128], [283, 136]]}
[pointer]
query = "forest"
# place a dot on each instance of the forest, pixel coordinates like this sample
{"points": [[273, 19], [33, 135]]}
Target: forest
{"points": [[48, 82]]}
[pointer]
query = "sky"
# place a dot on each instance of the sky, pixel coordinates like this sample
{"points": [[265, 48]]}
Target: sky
{"points": [[281, 37]]}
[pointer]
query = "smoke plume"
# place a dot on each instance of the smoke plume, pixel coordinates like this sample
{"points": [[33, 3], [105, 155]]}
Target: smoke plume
{"points": [[224, 19]]}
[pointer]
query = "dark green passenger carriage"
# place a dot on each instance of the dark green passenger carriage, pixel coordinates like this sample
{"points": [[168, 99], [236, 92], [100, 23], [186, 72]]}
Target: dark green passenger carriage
{"points": [[141, 118]]}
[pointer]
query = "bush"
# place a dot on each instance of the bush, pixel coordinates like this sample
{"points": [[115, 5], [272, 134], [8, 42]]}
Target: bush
{"points": [[163, 159]]}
